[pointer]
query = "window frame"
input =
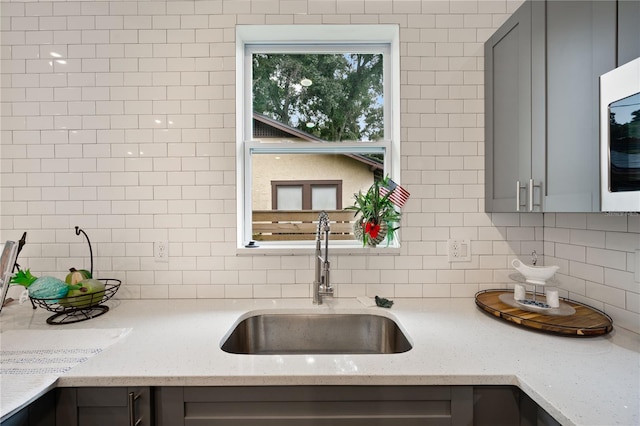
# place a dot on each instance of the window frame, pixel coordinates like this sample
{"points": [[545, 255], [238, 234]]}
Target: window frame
{"points": [[322, 39]]}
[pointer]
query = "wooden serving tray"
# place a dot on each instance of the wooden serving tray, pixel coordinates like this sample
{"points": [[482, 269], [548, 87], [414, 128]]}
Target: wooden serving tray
{"points": [[587, 321]]}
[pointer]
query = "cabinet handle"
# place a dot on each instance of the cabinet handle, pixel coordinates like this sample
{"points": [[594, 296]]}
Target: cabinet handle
{"points": [[132, 410], [532, 185], [519, 188]]}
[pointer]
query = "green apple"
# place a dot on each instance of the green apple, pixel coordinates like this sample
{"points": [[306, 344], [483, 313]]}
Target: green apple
{"points": [[76, 275], [90, 293]]}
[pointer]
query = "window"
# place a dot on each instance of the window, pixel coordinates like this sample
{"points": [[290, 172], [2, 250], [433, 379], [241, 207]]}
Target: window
{"points": [[318, 120], [306, 195]]}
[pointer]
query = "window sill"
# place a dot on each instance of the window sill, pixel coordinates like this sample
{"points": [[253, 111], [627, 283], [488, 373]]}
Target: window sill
{"points": [[296, 250]]}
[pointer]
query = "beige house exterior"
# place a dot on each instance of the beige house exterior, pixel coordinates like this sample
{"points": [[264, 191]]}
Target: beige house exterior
{"points": [[355, 173]]}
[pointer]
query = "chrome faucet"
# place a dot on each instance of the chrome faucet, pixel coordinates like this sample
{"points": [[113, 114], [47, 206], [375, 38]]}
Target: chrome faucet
{"points": [[321, 284]]}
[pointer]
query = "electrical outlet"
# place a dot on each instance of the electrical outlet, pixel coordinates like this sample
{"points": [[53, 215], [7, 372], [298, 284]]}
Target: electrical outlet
{"points": [[459, 250], [161, 251]]}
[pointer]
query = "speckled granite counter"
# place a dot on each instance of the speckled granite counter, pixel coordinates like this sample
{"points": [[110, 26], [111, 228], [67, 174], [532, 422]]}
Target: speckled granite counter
{"points": [[579, 381]]}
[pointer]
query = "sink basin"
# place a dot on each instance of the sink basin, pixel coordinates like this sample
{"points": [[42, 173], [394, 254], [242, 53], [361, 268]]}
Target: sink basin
{"points": [[348, 333]]}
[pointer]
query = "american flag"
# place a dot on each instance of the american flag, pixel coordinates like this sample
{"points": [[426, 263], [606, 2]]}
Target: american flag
{"points": [[398, 196]]}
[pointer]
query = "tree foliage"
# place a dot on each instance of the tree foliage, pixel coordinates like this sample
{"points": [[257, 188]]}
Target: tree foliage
{"points": [[344, 101]]}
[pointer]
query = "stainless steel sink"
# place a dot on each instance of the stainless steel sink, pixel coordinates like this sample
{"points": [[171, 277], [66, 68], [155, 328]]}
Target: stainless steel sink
{"points": [[275, 333]]}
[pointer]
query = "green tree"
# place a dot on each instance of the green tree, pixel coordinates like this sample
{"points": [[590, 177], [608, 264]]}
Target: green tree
{"points": [[343, 101]]}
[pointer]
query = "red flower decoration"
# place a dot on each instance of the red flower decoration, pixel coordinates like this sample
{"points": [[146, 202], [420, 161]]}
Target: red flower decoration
{"points": [[372, 229]]}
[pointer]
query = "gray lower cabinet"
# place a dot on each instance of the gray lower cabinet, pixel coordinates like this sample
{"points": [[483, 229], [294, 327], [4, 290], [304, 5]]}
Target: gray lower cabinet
{"points": [[39, 413], [104, 406], [507, 405], [284, 405], [347, 406], [542, 71], [314, 405]]}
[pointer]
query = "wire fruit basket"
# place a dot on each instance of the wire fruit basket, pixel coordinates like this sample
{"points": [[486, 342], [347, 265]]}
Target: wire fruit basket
{"points": [[79, 308]]}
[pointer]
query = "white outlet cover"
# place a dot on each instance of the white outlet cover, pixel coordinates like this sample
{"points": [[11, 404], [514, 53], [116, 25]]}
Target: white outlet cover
{"points": [[161, 251], [459, 250]]}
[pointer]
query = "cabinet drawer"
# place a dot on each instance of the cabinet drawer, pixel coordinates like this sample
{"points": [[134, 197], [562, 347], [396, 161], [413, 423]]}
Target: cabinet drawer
{"points": [[102, 397], [314, 405]]}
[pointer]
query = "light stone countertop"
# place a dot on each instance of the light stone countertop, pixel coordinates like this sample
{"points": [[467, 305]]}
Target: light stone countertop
{"points": [[579, 381]]}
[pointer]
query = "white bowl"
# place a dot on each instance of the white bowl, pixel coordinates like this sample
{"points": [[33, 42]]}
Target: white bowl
{"points": [[538, 275]]}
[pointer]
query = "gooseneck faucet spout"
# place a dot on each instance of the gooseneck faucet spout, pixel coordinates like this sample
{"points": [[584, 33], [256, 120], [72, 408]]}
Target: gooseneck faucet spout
{"points": [[321, 283]]}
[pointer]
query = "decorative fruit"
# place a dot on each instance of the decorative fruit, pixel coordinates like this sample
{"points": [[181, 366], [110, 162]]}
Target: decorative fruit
{"points": [[23, 277], [49, 288], [76, 275], [44, 287], [89, 293]]}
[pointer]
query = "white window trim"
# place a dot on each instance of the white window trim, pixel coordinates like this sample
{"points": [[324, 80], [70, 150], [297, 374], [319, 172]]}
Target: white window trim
{"points": [[274, 35]]}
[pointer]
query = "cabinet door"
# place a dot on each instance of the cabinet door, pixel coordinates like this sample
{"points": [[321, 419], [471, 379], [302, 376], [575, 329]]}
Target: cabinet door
{"points": [[580, 46], [628, 31], [116, 406], [508, 111]]}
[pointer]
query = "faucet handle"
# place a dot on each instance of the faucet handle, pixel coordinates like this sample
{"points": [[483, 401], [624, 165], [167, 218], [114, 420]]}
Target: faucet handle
{"points": [[326, 290], [326, 282]]}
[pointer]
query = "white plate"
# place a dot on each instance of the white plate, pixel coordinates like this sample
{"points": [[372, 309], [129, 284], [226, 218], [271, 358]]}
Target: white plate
{"points": [[564, 309]]}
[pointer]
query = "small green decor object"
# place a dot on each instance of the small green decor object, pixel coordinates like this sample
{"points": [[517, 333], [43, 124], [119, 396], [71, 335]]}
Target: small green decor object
{"points": [[378, 215], [384, 303]]}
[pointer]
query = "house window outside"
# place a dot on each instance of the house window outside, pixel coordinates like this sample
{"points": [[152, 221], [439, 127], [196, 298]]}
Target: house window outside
{"points": [[306, 195], [323, 105], [287, 197]]}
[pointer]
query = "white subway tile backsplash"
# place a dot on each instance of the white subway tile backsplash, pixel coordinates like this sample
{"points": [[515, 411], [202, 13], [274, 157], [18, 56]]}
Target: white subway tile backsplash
{"points": [[436, 290], [134, 22], [182, 292], [93, 8], [632, 261], [624, 241], [138, 50], [571, 252], [633, 223], [120, 115], [607, 222], [123, 121], [534, 219], [632, 303], [608, 295], [520, 234], [621, 279], [586, 271], [609, 258], [76, 23], [109, 22], [574, 285]]}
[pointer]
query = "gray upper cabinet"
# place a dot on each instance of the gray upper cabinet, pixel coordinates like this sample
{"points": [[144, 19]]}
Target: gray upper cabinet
{"points": [[508, 111], [580, 46], [555, 165], [628, 31]]}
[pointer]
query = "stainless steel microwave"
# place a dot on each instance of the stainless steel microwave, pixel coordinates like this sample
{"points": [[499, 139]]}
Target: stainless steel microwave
{"points": [[620, 139]]}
